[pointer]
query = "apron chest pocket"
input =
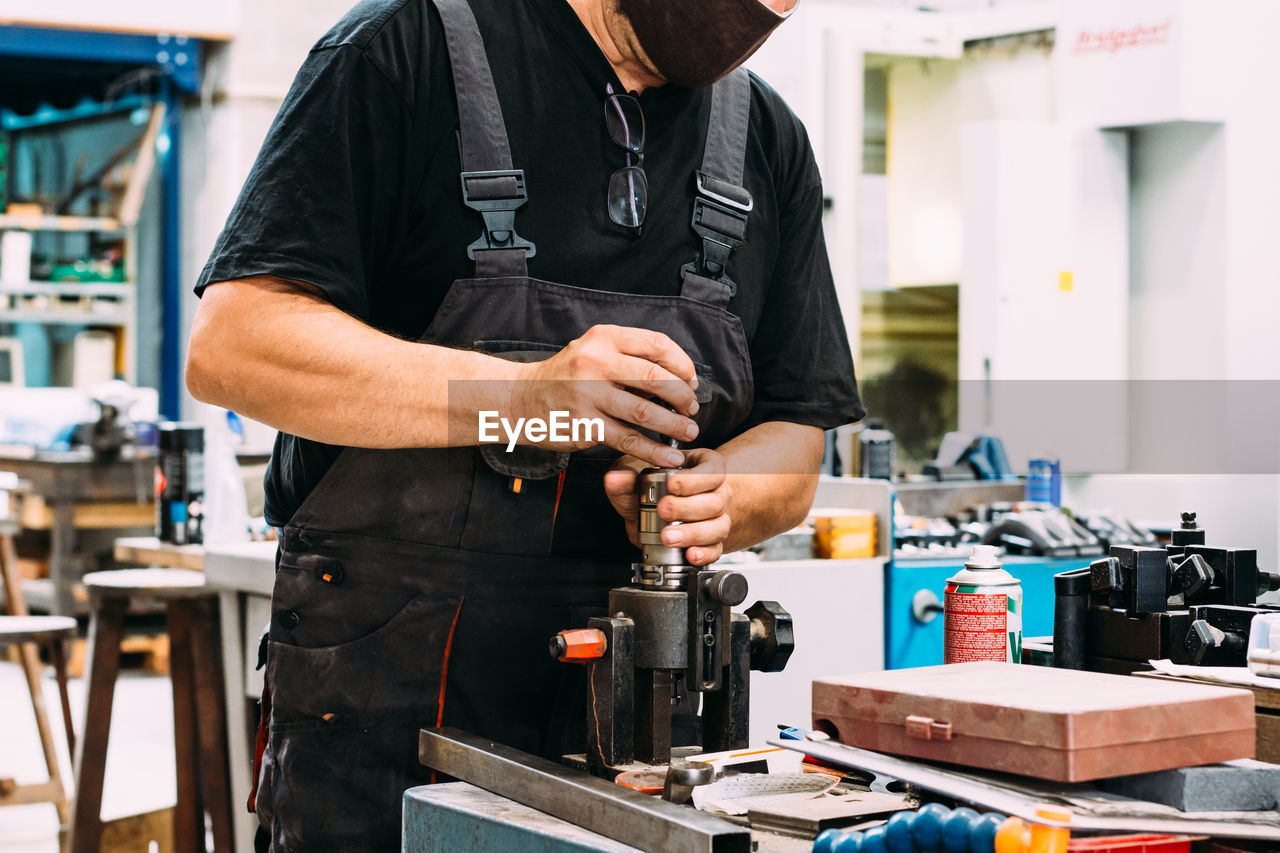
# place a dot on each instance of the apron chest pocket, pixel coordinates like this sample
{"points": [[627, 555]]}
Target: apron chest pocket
{"points": [[523, 461]]}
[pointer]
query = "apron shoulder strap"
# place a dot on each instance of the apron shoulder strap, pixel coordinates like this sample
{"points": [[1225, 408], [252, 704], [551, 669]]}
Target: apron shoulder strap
{"points": [[721, 204], [490, 185]]}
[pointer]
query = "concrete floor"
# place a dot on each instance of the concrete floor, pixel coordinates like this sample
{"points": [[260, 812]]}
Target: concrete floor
{"points": [[140, 773]]}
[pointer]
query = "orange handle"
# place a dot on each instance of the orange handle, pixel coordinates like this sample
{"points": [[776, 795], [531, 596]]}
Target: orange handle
{"points": [[579, 645]]}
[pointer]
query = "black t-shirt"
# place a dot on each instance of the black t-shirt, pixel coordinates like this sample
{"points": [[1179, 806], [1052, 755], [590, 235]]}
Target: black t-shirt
{"points": [[356, 191]]}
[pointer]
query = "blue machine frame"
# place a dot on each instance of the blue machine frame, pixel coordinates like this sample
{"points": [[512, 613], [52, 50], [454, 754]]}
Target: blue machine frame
{"points": [[909, 642]]}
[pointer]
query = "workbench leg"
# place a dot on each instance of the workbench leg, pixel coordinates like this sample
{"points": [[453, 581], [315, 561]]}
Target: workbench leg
{"points": [[62, 552], [240, 737], [106, 627], [188, 813], [212, 717]]}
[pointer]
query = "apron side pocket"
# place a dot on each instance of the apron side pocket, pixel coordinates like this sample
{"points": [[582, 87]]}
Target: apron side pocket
{"points": [[309, 612], [393, 670]]}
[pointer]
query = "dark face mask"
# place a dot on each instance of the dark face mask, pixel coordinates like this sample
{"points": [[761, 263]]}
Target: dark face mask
{"points": [[696, 42]]}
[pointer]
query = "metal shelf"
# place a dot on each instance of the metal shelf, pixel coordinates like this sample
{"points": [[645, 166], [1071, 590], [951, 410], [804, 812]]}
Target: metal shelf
{"points": [[68, 288], [65, 318], [59, 223]]}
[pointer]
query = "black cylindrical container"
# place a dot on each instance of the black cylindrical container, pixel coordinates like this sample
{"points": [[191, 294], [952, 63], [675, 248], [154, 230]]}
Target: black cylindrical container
{"points": [[180, 484], [876, 448]]}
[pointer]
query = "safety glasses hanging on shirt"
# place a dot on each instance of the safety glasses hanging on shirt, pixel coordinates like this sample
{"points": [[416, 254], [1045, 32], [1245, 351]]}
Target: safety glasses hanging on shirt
{"points": [[629, 187]]}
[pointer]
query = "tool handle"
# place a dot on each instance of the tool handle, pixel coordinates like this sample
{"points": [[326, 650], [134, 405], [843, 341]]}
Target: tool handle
{"points": [[1070, 609]]}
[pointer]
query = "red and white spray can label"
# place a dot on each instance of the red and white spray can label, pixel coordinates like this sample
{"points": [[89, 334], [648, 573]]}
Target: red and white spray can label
{"points": [[983, 623]]}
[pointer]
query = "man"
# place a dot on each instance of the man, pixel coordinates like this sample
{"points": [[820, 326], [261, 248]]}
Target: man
{"points": [[350, 304]]}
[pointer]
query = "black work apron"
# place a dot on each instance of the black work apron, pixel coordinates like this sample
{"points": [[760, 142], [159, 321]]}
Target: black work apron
{"points": [[418, 588]]}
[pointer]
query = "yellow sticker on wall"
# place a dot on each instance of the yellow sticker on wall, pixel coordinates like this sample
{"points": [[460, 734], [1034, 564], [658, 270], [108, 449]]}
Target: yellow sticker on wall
{"points": [[1066, 281]]}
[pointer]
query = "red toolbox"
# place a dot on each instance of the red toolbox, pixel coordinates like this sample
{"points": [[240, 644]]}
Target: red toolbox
{"points": [[1057, 724]]}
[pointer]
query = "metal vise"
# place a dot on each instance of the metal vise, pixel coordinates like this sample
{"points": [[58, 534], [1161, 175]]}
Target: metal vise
{"points": [[671, 631], [1188, 602]]}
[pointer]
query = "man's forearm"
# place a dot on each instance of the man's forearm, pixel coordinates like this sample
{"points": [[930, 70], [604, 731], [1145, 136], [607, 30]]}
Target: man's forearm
{"points": [[773, 472], [277, 353]]}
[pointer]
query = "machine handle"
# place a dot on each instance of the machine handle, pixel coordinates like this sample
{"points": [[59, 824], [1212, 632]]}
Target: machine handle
{"points": [[1070, 609], [925, 606], [727, 587], [773, 636], [579, 645]]}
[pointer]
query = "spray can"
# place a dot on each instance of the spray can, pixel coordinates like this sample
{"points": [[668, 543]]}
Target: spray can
{"points": [[876, 451], [983, 611], [180, 484], [1044, 481]]}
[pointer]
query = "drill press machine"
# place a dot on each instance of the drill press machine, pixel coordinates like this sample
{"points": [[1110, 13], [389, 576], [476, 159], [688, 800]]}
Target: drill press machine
{"points": [[669, 635]]}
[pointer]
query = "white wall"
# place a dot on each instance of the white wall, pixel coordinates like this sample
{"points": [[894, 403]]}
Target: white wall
{"points": [[820, 77], [1252, 279], [930, 101], [1178, 251], [1204, 282]]}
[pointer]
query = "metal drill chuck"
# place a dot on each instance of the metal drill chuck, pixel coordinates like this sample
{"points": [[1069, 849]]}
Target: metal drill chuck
{"points": [[660, 566]]}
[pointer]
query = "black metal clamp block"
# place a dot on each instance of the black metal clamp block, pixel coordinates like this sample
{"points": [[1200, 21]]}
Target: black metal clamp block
{"points": [[1218, 634], [1118, 634], [610, 741], [725, 714], [708, 632], [1146, 577], [654, 696], [1241, 582]]}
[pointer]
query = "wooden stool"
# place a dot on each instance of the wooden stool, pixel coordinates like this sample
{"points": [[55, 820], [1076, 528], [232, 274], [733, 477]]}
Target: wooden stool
{"points": [[28, 632], [199, 716]]}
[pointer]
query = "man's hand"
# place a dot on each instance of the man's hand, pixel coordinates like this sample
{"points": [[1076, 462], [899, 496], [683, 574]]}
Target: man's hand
{"points": [[700, 498], [613, 373]]}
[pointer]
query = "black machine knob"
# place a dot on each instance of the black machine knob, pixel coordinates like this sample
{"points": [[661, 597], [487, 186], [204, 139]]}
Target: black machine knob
{"points": [[1105, 575], [727, 587], [1190, 576], [1188, 534], [1268, 582], [772, 636], [1202, 637]]}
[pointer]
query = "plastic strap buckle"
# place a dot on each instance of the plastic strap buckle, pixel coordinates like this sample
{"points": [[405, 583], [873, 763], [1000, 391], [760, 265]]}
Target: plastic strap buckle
{"points": [[497, 196], [720, 214], [724, 192]]}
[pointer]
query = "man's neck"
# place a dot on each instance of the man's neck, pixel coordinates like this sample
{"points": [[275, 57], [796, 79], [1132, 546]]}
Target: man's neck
{"points": [[612, 34]]}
